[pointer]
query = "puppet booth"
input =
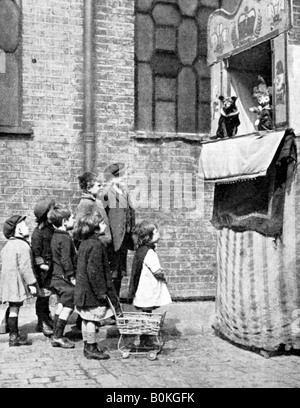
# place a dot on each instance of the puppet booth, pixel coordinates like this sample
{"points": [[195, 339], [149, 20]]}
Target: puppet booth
{"points": [[254, 171]]}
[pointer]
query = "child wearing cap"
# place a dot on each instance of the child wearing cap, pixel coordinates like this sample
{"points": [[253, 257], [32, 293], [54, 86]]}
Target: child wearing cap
{"points": [[41, 248], [17, 280], [63, 281], [121, 217]]}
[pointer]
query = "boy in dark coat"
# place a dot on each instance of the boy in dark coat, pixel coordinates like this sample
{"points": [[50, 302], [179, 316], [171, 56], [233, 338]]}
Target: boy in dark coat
{"points": [[121, 217], [41, 249], [64, 270]]}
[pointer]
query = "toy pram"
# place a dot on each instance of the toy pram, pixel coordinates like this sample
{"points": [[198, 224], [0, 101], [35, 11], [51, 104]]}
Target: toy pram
{"points": [[136, 324]]}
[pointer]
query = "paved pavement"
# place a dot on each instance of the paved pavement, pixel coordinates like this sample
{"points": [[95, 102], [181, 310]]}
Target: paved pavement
{"points": [[192, 357]]}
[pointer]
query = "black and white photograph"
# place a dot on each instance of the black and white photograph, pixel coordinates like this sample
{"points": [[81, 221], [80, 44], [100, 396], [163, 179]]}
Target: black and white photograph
{"points": [[149, 197]]}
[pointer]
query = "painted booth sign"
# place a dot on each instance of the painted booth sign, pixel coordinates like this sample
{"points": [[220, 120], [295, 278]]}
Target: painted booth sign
{"points": [[253, 22], [280, 81]]}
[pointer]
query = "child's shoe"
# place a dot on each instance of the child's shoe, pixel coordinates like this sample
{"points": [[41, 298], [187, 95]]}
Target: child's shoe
{"points": [[62, 342], [47, 329], [45, 326], [58, 340], [91, 351], [16, 340]]}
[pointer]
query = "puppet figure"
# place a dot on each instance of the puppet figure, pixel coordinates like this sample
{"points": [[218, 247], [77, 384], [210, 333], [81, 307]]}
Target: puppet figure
{"points": [[264, 111], [229, 118], [280, 86]]}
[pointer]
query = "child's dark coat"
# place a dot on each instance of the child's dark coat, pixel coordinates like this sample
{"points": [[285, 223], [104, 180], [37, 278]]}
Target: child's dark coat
{"points": [[93, 277]]}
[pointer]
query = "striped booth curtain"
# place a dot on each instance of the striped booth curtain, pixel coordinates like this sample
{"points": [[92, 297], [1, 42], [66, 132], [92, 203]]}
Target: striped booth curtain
{"points": [[258, 287]]}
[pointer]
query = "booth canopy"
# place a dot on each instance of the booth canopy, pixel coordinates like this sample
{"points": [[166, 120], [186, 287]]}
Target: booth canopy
{"points": [[251, 174], [240, 158]]}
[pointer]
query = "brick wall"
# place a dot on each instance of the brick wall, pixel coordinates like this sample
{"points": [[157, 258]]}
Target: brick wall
{"points": [[294, 34], [187, 246], [293, 55], [50, 161], [294, 39], [297, 212]]}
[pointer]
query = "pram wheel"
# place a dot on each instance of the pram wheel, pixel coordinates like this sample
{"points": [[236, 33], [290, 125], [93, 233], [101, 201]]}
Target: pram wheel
{"points": [[138, 327], [125, 354], [151, 355]]}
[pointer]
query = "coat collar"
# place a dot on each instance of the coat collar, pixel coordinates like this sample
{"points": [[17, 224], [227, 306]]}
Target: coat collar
{"points": [[58, 231], [21, 239], [118, 197], [94, 237], [88, 196]]}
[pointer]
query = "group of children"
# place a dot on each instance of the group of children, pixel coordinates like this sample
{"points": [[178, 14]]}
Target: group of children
{"points": [[81, 260]]}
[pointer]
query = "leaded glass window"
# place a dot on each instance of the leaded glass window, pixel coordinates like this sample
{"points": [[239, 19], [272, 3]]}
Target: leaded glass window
{"points": [[172, 78]]}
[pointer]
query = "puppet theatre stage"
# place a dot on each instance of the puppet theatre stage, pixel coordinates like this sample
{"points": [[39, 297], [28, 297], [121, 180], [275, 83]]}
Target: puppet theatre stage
{"points": [[258, 285]]}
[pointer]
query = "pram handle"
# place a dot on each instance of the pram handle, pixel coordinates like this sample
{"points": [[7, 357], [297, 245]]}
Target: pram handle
{"points": [[113, 308]]}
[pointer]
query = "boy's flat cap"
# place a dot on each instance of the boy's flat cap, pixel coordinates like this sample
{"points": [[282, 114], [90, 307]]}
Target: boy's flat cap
{"points": [[10, 225]]}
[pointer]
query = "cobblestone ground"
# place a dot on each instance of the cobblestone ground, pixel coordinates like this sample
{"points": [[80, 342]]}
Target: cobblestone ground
{"points": [[190, 358]]}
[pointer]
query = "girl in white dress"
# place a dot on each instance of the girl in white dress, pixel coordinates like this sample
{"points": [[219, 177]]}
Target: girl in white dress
{"points": [[148, 288]]}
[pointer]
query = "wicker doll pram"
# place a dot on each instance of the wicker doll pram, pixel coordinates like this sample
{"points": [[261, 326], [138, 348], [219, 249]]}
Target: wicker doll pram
{"points": [[135, 324]]}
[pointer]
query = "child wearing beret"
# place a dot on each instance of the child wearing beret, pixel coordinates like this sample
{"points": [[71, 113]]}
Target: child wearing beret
{"points": [[64, 258], [41, 249]]}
